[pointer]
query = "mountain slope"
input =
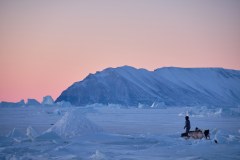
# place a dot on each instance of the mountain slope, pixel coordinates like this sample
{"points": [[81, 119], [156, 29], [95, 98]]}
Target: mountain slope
{"points": [[170, 85]]}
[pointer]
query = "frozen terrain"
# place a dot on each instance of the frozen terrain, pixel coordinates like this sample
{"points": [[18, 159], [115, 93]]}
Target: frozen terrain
{"points": [[100, 132], [170, 86]]}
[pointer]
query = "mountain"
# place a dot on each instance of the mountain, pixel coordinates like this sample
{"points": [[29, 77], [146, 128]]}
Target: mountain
{"points": [[170, 86]]}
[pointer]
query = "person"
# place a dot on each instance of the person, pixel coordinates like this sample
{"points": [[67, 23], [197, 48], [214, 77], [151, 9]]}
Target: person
{"points": [[187, 125]]}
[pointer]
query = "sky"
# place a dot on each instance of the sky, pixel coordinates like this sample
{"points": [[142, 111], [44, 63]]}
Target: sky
{"points": [[45, 46]]}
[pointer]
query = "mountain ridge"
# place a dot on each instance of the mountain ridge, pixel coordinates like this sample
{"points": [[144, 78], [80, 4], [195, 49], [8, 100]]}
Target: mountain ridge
{"points": [[129, 86]]}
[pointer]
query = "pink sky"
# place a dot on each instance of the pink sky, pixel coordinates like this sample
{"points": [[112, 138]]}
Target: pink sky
{"points": [[45, 46]]}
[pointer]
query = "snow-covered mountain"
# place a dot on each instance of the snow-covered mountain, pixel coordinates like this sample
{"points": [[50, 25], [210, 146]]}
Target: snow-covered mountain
{"points": [[169, 86]]}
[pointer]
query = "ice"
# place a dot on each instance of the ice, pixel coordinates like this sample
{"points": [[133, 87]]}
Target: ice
{"points": [[5, 141], [116, 132], [210, 112], [32, 102], [97, 156], [49, 136], [17, 135], [12, 104], [74, 123], [158, 105], [202, 112], [48, 100], [57, 112], [64, 104], [31, 133]]}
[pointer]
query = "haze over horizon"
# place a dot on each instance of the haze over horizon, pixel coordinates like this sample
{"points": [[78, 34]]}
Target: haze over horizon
{"points": [[45, 46]]}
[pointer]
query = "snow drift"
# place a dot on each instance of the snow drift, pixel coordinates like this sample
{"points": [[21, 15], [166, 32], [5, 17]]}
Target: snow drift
{"points": [[74, 123]]}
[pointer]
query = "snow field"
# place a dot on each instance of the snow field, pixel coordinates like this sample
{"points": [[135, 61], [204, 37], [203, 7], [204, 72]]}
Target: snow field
{"points": [[102, 133]]}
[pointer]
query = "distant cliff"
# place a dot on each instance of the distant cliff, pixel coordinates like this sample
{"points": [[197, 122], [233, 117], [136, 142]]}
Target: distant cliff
{"points": [[170, 86]]}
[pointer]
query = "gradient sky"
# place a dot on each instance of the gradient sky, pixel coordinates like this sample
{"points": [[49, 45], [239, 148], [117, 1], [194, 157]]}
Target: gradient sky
{"points": [[46, 45]]}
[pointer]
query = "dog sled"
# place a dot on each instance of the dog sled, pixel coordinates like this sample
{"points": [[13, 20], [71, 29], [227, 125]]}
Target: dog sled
{"points": [[197, 134]]}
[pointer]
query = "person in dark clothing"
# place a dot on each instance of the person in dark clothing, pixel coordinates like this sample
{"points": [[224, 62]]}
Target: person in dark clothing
{"points": [[187, 125]]}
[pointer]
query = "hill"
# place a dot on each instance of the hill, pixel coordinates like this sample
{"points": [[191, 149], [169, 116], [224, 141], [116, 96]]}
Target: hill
{"points": [[170, 86]]}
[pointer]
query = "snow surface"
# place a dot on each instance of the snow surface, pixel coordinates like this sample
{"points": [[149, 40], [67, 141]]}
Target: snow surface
{"points": [[98, 132]]}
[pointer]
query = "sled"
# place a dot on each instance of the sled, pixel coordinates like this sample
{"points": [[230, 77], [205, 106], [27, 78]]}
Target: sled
{"points": [[198, 134]]}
